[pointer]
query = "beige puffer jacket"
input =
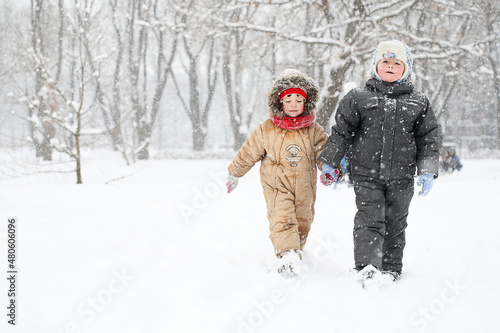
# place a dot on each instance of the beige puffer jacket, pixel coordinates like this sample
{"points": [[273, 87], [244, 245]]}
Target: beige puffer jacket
{"points": [[289, 162], [290, 151]]}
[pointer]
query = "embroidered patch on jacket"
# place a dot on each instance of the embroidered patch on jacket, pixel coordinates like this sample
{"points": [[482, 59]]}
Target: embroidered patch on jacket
{"points": [[293, 149]]}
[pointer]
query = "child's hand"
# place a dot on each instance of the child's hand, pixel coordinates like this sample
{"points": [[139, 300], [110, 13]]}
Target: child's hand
{"points": [[326, 179], [426, 179], [231, 183], [329, 175]]}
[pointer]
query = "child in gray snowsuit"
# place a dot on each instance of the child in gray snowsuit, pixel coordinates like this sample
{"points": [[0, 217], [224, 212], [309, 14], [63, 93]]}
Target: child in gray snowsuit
{"points": [[393, 133]]}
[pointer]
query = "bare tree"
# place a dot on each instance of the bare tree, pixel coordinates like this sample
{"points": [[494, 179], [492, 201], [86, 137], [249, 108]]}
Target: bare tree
{"points": [[144, 25], [65, 110], [194, 50], [116, 107], [41, 126], [84, 10], [234, 44], [491, 13]]}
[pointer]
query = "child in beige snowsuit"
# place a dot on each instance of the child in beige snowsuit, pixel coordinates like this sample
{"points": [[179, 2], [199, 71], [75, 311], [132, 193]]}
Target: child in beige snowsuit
{"points": [[288, 146]]}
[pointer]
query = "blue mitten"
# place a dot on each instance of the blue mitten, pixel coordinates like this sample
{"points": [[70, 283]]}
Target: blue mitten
{"points": [[426, 179]]}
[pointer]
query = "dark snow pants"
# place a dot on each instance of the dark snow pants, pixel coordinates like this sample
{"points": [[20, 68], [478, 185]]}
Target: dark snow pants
{"points": [[380, 223]]}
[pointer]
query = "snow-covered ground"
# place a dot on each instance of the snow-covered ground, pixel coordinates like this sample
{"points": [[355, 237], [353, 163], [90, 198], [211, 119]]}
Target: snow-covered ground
{"points": [[160, 247]]}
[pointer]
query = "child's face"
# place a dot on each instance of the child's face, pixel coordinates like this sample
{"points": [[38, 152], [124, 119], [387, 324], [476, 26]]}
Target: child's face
{"points": [[293, 105], [390, 70]]}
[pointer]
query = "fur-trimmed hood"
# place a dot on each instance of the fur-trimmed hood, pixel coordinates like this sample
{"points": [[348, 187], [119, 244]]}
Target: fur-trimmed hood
{"points": [[292, 78]]}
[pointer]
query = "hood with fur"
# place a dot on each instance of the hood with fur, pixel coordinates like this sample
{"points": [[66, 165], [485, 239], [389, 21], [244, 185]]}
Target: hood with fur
{"points": [[292, 78]]}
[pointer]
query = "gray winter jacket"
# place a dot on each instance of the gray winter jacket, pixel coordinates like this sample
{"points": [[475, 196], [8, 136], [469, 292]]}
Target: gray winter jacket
{"points": [[391, 130]]}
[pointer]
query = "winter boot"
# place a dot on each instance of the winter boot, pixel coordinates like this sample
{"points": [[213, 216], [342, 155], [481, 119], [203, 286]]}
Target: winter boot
{"points": [[369, 276], [289, 265], [392, 275]]}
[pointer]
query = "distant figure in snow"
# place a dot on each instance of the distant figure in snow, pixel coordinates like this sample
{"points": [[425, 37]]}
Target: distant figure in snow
{"points": [[288, 146], [451, 161], [392, 133]]}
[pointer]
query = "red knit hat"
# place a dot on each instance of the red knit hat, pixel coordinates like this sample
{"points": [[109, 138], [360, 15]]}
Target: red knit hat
{"points": [[293, 91]]}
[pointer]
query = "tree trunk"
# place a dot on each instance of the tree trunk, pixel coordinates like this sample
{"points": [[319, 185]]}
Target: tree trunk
{"points": [[199, 137], [43, 148], [232, 95], [329, 103]]}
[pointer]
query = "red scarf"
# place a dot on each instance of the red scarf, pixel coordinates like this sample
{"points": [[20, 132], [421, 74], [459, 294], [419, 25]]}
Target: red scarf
{"points": [[293, 122]]}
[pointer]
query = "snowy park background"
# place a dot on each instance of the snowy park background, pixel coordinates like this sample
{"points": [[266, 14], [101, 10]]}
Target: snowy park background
{"points": [[143, 103], [160, 247]]}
